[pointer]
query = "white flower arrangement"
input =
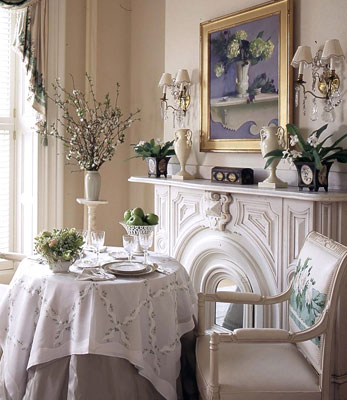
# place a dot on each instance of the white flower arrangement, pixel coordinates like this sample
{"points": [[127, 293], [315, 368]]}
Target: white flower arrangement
{"points": [[94, 129]]}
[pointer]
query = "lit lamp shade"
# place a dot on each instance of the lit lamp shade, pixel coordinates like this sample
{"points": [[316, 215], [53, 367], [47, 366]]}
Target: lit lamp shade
{"points": [[332, 52], [302, 58], [182, 76], [165, 80]]}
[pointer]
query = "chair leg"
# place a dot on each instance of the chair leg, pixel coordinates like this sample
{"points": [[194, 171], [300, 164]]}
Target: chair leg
{"points": [[213, 390]]}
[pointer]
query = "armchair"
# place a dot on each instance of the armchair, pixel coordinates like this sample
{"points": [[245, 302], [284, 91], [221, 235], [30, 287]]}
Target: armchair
{"points": [[276, 364]]}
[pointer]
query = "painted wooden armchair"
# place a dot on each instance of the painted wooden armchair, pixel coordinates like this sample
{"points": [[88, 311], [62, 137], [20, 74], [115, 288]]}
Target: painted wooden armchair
{"points": [[276, 364]]}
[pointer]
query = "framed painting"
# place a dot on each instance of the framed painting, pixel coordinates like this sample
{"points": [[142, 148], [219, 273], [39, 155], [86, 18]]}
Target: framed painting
{"points": [[246, 82]]}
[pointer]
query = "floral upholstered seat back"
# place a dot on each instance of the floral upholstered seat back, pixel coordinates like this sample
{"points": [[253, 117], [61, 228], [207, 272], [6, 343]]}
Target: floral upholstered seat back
{"points": [[316, 266]]}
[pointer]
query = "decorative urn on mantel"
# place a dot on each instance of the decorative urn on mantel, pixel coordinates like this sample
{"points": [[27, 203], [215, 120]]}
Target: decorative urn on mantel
{"points": [[183, 145]]}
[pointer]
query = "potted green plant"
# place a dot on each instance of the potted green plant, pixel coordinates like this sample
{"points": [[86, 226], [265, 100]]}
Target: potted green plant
{"points": [[313, 157], [60, 248], [157, 155]]}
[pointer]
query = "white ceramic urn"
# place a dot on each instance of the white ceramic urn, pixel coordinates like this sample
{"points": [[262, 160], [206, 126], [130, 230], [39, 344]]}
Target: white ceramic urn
{"points": [[272, 138], [182, 146]]}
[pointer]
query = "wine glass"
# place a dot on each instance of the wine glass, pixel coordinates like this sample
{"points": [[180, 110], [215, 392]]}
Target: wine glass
{"points": [[98, 239], [146, 241], [128, 245]]}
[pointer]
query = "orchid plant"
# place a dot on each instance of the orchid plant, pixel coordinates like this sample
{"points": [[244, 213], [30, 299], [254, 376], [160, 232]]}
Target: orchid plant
{"points": [[313, 149], [153, 148], [93, 129]]}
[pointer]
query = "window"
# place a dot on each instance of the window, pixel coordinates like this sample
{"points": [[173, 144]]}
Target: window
{"points": [[6, 131], [18, 147]]}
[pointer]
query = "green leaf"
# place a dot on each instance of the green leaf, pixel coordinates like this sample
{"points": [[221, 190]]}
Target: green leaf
{"points": [[275, 153], [260, 34], [320, 145], [269, 161], [317, 160], [319, 131], [338, 141]]}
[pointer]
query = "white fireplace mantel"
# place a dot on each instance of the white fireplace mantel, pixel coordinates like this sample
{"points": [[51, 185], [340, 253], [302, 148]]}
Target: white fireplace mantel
{"points": [[258, 232], [247, 234]]}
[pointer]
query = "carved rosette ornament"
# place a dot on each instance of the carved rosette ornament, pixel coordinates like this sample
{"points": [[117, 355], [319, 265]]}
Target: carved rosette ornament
{"points": [[217, 210]]}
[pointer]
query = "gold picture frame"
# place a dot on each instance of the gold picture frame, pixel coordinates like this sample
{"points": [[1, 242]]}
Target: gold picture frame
{"points": [[245, 76]]}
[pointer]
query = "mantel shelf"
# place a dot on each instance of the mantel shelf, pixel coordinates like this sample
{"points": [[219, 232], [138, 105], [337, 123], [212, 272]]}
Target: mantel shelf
{"points": [[253, 190]]}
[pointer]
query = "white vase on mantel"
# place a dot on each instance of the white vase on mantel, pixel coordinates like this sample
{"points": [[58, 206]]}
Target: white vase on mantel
{"points": [[182, 146], [92, 184], [272, 138]]}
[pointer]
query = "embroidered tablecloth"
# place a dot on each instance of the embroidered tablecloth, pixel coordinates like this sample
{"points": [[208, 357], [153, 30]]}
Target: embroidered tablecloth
{"points": [[46, 316]]}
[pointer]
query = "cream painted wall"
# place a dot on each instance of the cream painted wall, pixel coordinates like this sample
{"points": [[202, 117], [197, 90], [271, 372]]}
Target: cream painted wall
{"points": [[146, 65], [314, 20], [130, 50], [75, 66]]}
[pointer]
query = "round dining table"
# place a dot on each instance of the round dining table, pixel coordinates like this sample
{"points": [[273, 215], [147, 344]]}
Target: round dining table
{"points": [[78, 336]]}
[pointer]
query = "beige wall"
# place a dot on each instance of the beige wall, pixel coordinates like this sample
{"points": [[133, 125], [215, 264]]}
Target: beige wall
{"points": [[313, 20], [130, 50], [75, 66]]}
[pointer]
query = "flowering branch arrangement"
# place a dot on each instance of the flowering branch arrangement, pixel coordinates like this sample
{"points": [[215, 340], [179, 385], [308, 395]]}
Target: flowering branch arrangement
{"points": [[153, 148], [312, 149], [235, 47], [59, 245], [94, 129]]}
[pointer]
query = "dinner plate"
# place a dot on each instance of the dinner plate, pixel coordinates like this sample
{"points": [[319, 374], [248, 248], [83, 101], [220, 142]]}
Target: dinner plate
{"points": [[127, 267], [147, 269]]}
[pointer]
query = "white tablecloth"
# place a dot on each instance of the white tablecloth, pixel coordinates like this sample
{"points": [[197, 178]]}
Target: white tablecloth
{"points": [[47, 316]]}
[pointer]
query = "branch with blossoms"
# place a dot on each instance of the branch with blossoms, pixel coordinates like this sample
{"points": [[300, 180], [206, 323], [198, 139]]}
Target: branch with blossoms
{"points": [[93, 129], [311, 150]]}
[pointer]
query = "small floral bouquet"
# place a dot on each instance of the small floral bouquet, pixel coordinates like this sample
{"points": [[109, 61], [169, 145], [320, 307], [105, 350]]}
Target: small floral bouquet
{"points": [[235, 47], [59, 245], [312, 149], [153, 148], [94, 129]]}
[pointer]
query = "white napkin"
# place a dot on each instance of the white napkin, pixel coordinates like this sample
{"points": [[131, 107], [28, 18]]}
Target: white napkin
{"points": [[94, 274]]}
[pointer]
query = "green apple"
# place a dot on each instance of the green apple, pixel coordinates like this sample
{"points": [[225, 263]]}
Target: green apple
{"points": [[138, 211], [152, 219], [127, 215], [135, 220]]}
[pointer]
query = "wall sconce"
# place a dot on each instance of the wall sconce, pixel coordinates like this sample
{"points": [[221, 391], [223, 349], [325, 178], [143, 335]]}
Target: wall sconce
{"points": [[324, 77], [179, 87]]}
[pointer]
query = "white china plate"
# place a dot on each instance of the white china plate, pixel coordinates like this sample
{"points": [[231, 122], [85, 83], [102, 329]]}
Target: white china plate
{"points": [[127, 267], [148, 269]]}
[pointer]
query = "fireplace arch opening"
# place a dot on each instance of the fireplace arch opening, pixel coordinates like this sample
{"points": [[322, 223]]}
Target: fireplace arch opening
{"points": [[213, 256]]}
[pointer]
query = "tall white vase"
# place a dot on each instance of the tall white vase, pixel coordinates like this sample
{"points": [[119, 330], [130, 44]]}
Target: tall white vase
{"points": [[272, 138], [242, 68], [182, 146], [92, 184]]}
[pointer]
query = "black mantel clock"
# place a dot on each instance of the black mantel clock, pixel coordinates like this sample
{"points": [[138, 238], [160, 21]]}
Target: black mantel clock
{"points": [[238, 176]]}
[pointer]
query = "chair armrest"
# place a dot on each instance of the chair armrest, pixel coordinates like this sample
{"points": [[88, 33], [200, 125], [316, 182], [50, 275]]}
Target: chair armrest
{"points": [[237, 298], [257, 335]]}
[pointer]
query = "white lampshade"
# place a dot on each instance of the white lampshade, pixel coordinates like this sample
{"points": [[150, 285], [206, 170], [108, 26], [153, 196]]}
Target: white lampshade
{"points": [[332, 52], [165, 80], [303, 55], [182, 76]]}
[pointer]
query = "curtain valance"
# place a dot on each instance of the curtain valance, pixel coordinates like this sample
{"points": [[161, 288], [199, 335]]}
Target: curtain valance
{"points": [[30, 42]]}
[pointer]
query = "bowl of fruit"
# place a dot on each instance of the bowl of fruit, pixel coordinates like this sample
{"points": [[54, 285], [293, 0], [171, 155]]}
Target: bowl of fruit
{"points": [[136, 222]]}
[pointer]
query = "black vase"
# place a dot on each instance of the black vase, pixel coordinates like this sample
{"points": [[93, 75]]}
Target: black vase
{"points": [[311, 177], [157, 166]]}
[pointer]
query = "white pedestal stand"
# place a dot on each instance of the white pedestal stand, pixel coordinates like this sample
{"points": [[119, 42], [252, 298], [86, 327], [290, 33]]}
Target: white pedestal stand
{"points": [[91, 205]]}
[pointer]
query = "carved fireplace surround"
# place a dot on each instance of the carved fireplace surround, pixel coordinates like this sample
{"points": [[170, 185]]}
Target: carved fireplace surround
{"points": [[250, 235]]}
